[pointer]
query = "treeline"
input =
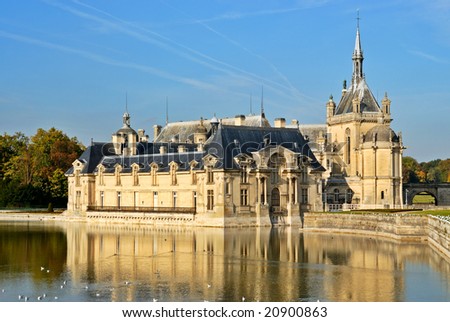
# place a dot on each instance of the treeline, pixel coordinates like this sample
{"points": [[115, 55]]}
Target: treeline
{"points": [[435, 171], [32, 168]]}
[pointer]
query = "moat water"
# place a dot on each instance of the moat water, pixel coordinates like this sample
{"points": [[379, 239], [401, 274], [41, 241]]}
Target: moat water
{"points": [[51, 261]]}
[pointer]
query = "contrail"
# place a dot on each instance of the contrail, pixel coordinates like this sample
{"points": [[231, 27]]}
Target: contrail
{"points": [[165, 43]]}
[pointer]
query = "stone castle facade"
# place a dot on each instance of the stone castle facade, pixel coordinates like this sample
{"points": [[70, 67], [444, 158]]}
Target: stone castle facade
{"points": [[243, 171]]}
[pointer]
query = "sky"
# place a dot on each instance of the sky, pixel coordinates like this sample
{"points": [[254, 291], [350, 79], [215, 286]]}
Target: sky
{"points": [[77, 65]]}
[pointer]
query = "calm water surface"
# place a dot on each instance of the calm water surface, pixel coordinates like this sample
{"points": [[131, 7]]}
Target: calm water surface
{"points": [[86, 262]]}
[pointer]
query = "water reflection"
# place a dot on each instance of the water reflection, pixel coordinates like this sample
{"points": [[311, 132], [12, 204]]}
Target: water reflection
{"points": [[132, 263]]}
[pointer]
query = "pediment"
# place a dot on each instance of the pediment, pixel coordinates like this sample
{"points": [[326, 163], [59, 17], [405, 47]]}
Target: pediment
{"points": [[210, 160]]}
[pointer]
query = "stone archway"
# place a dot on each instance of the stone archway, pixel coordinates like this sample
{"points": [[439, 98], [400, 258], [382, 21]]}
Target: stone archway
{"points": [[424, 198]]}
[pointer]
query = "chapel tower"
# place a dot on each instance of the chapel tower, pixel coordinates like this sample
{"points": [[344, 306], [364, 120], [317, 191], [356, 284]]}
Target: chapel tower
{"points": [[364, 154]]}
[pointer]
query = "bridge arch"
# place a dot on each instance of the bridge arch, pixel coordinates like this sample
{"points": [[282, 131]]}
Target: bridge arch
{"points": [[439, 192]]}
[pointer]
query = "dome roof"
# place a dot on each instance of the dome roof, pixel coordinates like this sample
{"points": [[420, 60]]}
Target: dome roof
{"points": [[381, 133], [126, 130]]}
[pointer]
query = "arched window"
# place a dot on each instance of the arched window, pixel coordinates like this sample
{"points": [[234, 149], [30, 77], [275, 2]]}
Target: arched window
{"points": [[347, 146]]}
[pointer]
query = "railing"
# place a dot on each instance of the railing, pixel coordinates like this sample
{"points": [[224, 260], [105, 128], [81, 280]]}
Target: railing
{"points": [[347, 206], [174, 210]]}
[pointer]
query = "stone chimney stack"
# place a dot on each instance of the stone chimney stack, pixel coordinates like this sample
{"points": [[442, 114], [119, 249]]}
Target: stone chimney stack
{"points": [[280, 122]]}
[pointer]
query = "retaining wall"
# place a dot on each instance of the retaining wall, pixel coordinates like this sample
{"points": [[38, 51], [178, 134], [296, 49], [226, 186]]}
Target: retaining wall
{"points": [[404, 227]]}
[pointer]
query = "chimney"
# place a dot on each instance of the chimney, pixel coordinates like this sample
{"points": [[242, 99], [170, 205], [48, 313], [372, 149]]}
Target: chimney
{"points": [[156, 131], [280, 122], [239, 120], [142, 136]]}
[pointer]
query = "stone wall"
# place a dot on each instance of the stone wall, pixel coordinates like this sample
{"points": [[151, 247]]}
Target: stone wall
{"points": [[439, 234], [402, 227]]}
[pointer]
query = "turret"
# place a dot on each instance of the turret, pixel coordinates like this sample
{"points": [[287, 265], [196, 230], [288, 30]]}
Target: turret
{"points": [[331, 105]]}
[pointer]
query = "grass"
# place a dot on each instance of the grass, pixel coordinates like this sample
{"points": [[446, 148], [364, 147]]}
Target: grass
{"points": [[423, 198]]}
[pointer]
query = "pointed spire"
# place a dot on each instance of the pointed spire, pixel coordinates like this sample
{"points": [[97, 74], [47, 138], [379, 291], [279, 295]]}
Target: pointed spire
{"points": [[262, 106], [357, 57], [251, 103]]}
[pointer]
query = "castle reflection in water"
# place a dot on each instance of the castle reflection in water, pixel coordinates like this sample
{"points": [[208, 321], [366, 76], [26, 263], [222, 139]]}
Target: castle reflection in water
{"points": [[259, 264], [142, 263]]}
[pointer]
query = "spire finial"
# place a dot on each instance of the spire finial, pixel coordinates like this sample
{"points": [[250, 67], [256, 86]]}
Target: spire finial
{"points": [[167, 110], [126, 102], [357, 18], [262, 106]]}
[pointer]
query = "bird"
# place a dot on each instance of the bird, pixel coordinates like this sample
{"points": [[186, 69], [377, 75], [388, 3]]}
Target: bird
{"points": [[155, 300], [48, 271], [209, 285], [26, 298], [98, 294], [3, 290], [86, 287], [39, 298], [127, 283], [243, 299], [42, 268], [20, 297], [56, 297], [62, 286], [44, 295], [64, 282]]}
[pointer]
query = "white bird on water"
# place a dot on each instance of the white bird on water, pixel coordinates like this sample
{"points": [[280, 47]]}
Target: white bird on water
{"points": [[42, 268], [209, 285], [243, 299]]}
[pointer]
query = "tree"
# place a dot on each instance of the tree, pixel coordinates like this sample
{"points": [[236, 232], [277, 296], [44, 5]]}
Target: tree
{"points": [[410, 170], [32, 170]]}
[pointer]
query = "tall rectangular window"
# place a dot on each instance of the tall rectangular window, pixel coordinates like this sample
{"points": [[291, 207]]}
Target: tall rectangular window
{"points": [[244, 175], [210, 200], [194, 199], [155, 199], [174, 199], [77, 199], [304, 195], [244, 197], [119, 199], [102, 198], [210, 175]]}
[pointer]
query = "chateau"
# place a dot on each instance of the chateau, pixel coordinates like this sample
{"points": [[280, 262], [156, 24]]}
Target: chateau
{"points": [[241, 170]]}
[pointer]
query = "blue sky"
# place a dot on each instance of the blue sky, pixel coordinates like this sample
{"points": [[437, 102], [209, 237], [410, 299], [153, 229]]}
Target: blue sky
{"points": [[71, 64]]}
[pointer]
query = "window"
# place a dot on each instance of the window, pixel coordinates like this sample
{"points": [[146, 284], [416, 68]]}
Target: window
{"points": [[336, 195], [155, 199], [244, 174], [382, 195], [210, 200], [244, 197], [227, 187], [304, 195], [77, 178], [194, 199], [347, 146], [102, 198], [349, 196], [77, 200], [119, 199], [174, 199], [209, 175]]}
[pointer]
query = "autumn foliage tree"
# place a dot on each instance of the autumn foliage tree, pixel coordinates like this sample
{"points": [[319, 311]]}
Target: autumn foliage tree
{"points": [[435, 171], [32, 169]]}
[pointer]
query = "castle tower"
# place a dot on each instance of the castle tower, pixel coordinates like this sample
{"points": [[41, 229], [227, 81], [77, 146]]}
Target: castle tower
{"points": [[357, 116], [125, 139]]}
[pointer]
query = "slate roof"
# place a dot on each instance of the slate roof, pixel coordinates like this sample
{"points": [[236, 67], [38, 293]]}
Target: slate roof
{"points": [[229, 141], [362, 92], [225, 144], [183, 131]]}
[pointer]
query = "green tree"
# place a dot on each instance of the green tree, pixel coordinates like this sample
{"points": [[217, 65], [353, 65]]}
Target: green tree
{"points": [[410, 170]]}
